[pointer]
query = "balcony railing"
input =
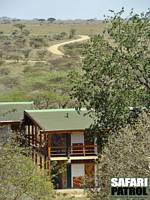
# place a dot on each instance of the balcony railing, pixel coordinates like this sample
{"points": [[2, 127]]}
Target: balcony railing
{"points": [[74, 150]]}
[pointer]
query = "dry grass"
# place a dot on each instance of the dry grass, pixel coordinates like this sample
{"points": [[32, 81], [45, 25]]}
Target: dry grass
{"points": [[37, 28], [21, 81]]}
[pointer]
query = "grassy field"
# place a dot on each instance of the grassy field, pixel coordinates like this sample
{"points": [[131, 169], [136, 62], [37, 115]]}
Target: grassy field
{"points": [[46, 83], [45, 28]]}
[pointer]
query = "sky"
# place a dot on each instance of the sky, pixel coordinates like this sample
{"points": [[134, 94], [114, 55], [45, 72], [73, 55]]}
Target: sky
{"points": [[67, 9]]}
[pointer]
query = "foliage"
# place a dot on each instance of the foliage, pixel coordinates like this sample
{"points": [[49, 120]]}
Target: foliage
{"points": [[20, 26], [115, 74], [37, 42], [26, 32], [51, 19], [127, 154], [74, 50], [4, 71], [26, 53], [72, 33], [1, 54], [41, 54], [60, 36], [19, 178]]}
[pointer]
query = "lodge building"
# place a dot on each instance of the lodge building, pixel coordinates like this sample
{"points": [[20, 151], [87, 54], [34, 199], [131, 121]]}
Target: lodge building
{"points": [[11, 116], [58, 136]]}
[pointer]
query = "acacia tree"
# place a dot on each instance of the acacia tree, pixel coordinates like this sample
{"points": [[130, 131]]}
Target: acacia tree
{"points": [[51, 19], [115, 73]]}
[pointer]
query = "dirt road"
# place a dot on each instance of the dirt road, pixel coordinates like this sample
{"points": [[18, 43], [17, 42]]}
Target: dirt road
{"points": [[55, 48]]}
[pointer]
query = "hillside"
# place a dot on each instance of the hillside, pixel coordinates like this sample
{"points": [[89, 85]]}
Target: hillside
{"points": [[28, 71]]}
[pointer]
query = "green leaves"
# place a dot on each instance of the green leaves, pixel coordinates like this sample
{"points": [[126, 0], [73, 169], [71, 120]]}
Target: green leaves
{"points": [[126, 154], [116, 70], [19, 177]]}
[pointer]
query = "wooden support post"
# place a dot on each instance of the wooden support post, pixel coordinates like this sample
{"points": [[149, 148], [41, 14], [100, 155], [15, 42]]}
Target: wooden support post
{"points": [[32, 135], [28, 135], [49, 145], [49, 154], [35, 138], [45, 139], [68, 144], [44, 161], [45, 144], [69, 175], [48, 167], [33, 154], [35, 158], [40, 162], [40, 140]]}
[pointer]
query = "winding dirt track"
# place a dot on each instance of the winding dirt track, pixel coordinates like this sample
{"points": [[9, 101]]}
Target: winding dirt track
{"points": [[55, 48]]}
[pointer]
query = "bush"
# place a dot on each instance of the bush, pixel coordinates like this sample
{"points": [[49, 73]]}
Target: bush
{"points": [[127, 154], [19, 177], [4, 71], [37, 42]]}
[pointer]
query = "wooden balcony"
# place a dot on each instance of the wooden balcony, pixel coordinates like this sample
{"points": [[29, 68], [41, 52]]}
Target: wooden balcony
{"points": [[74, 150]]}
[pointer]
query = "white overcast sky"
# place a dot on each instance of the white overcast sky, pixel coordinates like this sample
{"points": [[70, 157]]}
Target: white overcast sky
{"points": [[67, 9]]}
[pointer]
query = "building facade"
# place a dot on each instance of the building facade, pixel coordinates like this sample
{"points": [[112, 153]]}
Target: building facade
{"points": [[11, 116], [61, 145]]}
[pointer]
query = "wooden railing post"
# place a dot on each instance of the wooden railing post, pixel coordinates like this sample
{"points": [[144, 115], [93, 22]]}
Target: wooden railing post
{"points": [[75, 150]]}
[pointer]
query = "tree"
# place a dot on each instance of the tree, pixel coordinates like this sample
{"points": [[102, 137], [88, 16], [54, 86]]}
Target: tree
{"points": [[26, 53], [51, 19], [72, 33], [37, 42], [26, 32], [115, 74], [41, 20], [41, 53], [63, 35], [19, 177], [1, 54], [127, 154], [20, 26]]}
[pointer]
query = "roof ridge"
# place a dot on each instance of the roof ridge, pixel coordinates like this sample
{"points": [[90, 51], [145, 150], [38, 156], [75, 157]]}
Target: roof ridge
{"points": [[16, 103], [55, 110]]}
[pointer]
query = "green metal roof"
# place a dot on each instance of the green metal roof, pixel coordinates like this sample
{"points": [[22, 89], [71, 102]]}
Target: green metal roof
{"points": [[13, 111], [60, 119]]}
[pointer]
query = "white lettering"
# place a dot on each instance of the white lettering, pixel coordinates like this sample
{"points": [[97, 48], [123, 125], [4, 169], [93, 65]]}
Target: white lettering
{"points": [[140, 182], [133, 182], [121, 182], [114, 182], [145, 182], [129, 182]]}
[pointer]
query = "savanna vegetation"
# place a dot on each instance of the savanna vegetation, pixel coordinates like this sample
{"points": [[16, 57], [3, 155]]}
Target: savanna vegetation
{"points": [[21, 179], [114, 86], [109, 75], [28, 71]]}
